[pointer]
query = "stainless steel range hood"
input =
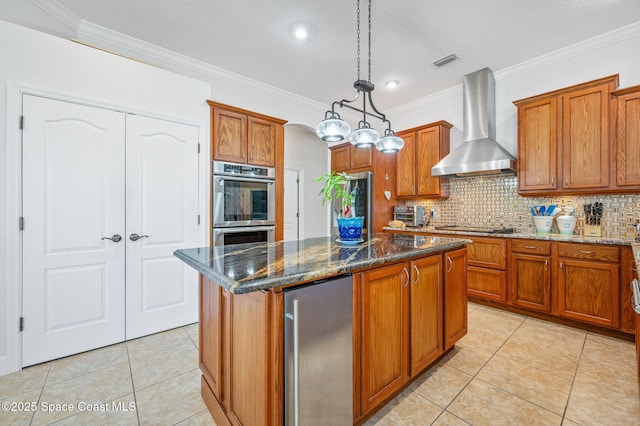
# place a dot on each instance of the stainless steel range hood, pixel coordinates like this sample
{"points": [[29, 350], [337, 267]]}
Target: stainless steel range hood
{"points": [[479, 154]]}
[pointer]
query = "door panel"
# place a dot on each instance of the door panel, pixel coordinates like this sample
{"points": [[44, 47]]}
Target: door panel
{"points": [[73, 280], [162, 206]]}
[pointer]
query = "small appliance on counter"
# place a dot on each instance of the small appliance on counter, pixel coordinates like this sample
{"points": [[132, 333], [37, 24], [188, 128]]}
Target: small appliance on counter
{"points": [[410, 215]]}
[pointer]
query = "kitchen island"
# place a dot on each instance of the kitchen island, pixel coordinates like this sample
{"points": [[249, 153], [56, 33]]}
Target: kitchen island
{"points": [[409, 308]]}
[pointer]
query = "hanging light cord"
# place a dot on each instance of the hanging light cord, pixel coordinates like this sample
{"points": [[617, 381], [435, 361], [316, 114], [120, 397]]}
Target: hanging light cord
{"points": [[358, 37], [369, 78]]}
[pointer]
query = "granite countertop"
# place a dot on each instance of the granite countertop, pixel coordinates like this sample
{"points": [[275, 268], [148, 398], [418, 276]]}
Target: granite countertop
{"points": [[522, 235], [244, 268]]}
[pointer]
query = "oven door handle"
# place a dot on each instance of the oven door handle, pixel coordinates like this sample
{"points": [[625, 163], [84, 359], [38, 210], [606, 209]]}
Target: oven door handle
{"points": [[236, 230], [221, 179], [635, 298]]}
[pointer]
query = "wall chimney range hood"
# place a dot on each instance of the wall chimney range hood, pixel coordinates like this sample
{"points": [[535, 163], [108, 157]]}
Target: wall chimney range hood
{"points": [[479, 153]]}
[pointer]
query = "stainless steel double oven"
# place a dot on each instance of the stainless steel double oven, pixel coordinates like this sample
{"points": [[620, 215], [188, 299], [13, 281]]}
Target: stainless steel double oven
{"points": [[244, 203]]}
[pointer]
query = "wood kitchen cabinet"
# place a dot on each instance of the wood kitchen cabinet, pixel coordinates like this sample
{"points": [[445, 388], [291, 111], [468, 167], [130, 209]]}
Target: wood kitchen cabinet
{"points": [[627, 118], [455, 297], [241, 136], [411, 313], [347, 158], [236, 350], [530, 274], [385, 333], [486, 272], [564, 140], [424, 147], [628, 273], [588, 283]]}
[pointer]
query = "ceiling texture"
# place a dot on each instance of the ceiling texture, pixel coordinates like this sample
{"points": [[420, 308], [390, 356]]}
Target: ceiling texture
{"points": [[253, 38]]}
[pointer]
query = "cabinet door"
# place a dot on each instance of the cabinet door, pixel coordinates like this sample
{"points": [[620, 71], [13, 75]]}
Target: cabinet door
{"points": [[261, 142], [585, 139], [229, 136], [589, 291], [385, 333], [628, 316], [538, 145], [429, 150], [488, 284], [341, 158], [405, 166], [210, 337], [628, 140], [361, 158], [488, 252], [455, 297], [426, 312], [530, 282]]}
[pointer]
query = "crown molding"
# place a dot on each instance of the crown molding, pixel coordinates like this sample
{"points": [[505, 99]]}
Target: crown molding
{"points": [[585, 46], [59, 12], [121, 44]]}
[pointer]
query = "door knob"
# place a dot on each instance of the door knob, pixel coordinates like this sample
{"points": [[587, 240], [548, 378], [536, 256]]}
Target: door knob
{"points": [[115, 238], [136, 237]]}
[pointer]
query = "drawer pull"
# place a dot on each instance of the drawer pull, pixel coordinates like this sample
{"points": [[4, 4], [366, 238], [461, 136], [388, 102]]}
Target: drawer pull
{"points": [[530, 247], [587, 252]]}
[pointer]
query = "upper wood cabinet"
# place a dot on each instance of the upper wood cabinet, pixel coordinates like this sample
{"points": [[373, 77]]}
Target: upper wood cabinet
{"points": [[424, 146], [241, 136], [347, 158], [627, 105], [564, 140]]}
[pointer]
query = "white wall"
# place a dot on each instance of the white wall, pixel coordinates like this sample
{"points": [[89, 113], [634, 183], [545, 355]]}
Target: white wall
{"points": [[303, 150], [38, 61], [612, 53]]}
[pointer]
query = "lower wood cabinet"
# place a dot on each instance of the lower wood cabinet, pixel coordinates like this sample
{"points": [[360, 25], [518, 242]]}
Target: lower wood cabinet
{"points": [[487, 274], [385, 333], [588, 283], [530, 274], [410, 314], [237, 357]]}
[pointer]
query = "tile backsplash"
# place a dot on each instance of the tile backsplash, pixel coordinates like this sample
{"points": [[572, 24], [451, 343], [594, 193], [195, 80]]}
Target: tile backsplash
{"points": [[493, 201]]}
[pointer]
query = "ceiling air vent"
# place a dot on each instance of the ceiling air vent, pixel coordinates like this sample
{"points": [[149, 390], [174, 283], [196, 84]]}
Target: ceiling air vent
{"points": [[443, 61]]}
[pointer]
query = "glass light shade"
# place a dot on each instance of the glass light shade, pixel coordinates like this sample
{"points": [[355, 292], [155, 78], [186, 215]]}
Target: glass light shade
{"points": [[332, 130], [364, 137], [390, 144]]}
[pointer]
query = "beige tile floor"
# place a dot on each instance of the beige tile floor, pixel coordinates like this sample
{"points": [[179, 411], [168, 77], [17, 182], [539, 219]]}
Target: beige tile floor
{"points": [[509, 370]]}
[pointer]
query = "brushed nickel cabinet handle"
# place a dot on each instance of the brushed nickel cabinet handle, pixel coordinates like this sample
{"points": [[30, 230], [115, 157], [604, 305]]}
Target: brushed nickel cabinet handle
{"points": [[566, 180], [530, 247], [587, 252], [450, 264], [553, 180], [406, 272], [417, 274]]}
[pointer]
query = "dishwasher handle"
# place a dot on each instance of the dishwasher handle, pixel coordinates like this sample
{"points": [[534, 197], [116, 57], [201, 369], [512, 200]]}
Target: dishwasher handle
{"points": [[296, 362], [635, 297]]}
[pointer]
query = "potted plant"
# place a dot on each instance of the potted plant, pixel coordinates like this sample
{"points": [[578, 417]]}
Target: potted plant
{"points": [[337, 187]]}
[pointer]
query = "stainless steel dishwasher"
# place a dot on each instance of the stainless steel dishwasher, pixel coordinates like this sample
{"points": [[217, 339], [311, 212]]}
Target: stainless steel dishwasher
{"points": [[318, 347]]}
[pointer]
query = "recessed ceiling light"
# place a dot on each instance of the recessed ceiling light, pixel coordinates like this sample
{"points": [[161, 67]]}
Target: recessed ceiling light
{"points": [[300, 32], [391, 84]]}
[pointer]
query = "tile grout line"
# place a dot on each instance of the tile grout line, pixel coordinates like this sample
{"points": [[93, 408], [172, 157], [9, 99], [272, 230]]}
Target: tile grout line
{"points": [[575, 374], [474, 376], [44, 382], [133, 387]]}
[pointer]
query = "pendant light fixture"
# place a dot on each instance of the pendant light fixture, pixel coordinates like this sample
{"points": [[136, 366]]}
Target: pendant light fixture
{"points": [[335, 129]]}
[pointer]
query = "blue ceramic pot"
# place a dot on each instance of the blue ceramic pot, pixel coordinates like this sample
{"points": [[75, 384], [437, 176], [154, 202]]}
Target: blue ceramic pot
{"points": [[350, 228]]}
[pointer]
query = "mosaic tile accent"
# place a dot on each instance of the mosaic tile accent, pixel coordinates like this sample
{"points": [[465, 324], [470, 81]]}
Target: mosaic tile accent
{"points": [[493, 201]]}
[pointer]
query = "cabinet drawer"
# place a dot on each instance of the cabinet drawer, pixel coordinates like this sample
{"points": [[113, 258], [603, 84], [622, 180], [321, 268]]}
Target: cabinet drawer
{"points": [[531, 246], [488, 252], [589, 252]]}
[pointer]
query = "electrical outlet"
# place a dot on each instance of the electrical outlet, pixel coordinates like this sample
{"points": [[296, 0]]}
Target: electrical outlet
{"points": [[432, 214]]}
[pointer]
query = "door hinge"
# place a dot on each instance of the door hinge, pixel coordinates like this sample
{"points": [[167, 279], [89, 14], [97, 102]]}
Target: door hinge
{"points": [[22, 122], [21, 326], [21, 223], [198, 219], [198, 148], [297, 180]]}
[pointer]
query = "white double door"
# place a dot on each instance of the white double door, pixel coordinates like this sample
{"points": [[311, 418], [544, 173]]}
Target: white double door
{"points": [[92, 179]]}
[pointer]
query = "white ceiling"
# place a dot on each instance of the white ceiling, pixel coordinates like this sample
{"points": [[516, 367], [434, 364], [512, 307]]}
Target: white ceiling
{"points": [[252, 37]]}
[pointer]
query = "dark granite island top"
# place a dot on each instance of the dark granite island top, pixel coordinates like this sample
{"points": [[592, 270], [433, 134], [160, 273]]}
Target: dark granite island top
{"points": [[244, 268]]}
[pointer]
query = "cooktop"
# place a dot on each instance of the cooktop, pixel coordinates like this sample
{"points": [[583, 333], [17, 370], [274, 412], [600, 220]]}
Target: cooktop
{"points": [[476, 229]]}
